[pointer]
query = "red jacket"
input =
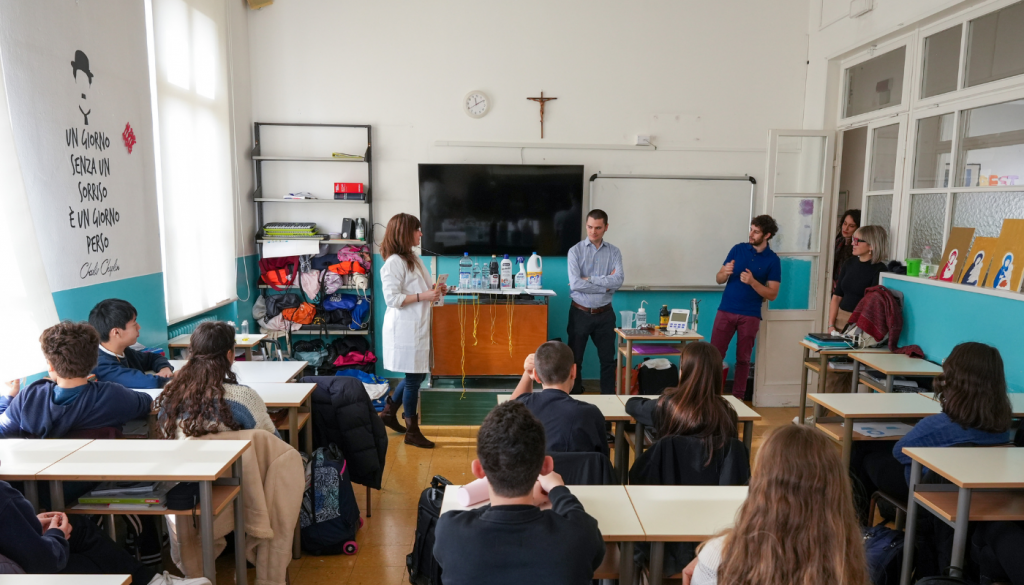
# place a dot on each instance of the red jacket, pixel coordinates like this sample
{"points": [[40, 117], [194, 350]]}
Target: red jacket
{"points": [[879, 314]]}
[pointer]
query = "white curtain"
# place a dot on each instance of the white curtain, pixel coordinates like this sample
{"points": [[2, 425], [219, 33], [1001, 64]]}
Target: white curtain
{"points": [[195, 185], [27, 295]]}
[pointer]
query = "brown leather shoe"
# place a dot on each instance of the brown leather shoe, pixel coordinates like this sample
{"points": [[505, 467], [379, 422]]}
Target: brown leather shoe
{"points": [[390, 418], [414, 437]]}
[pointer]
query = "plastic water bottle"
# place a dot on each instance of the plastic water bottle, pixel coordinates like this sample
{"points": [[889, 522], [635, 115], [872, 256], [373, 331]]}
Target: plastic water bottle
{"points": [[506, 272], [465, 271], [494, 272], [476, 281], [245, 330], [927, 256], [485, 275], [534, 270], [520, 281]]}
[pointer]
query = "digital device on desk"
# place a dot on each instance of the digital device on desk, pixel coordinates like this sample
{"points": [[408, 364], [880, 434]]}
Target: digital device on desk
{"points": [[678, 321], [441, 280]]}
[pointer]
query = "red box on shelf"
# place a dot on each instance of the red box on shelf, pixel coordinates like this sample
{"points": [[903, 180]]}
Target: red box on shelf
{"points": [[348, 187]]}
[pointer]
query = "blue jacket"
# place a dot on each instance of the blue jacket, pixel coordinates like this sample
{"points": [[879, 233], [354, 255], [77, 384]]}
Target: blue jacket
{"points": [[130, 371], [47, 411], [22, 540], [938, 430]]}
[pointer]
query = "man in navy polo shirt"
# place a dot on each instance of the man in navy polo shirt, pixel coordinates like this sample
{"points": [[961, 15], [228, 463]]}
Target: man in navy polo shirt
{"points": [[751, 274]]}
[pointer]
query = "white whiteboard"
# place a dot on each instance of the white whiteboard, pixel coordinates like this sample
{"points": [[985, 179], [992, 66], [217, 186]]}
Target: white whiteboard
{"points": [[673, 231]]}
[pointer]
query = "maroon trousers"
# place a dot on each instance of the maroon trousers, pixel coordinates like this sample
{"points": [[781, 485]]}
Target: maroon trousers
{"points": [[726, 324]]}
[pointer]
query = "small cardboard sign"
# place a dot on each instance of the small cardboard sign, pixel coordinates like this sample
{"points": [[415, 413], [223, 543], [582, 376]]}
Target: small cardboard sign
{"points": [[1006, 270], [955, 255], [977, 262]]}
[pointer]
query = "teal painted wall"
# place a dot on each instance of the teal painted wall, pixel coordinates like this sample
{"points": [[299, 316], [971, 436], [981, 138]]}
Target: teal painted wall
{"points": [[938, 318], [146, 293]]}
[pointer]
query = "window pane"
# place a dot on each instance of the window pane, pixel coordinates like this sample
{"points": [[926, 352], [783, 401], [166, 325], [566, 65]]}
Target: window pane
{"points": [[879, 211], [875, 84], [995, 45], [941, 62], [985, 212], [883, 157], [800, 164], [927, 222], [799, 274], [799, 220], [934, 145], [992, 148]]}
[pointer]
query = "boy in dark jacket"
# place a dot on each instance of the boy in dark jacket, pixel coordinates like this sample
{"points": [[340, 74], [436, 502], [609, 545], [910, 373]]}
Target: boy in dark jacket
{"points": [[67, 402], [512, 541], [115, 321]]}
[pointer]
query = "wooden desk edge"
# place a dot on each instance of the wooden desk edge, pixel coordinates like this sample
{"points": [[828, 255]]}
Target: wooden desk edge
{"points": [[909, 452], [43, 476]]}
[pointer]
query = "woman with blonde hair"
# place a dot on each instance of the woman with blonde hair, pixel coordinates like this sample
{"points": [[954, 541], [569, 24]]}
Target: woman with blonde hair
{"points": [[870, 256], [797, 476], [408, 293]]}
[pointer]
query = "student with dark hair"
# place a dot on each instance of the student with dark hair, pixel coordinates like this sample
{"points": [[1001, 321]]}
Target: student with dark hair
{"points": [[115, 321], [843, 246], [512, 541], [52, 408], [571, 425]]}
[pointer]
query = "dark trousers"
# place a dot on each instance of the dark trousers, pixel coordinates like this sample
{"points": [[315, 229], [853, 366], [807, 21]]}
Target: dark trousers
{"points": [[93, 553], [998, 546], [408, 392], [600, 328], [873, 464], [745, 328]]}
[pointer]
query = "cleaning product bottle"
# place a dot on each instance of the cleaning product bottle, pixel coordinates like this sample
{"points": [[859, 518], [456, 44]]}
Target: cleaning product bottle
{"points": [[465, 271], [641, 316], [534, 269], [485, 274], [663, 318], [494, 272], [506, 272], [520, 281]]}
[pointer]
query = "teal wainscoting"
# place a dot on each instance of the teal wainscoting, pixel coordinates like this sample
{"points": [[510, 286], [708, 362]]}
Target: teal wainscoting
{"points": [[146, 293]]}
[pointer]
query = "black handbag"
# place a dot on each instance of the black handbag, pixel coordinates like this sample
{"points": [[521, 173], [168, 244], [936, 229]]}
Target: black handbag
{"points": [[183, 496], [278, 303]]}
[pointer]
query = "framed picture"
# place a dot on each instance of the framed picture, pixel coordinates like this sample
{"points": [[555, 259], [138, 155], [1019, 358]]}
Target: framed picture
{"points": [[971, 175]]}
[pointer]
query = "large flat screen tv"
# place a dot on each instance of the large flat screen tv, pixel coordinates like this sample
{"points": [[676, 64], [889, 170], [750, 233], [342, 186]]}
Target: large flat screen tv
{"points": [[500, 209]]}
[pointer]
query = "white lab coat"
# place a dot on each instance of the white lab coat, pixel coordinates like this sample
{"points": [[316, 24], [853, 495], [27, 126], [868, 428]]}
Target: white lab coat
{"points": [[406, 330]]}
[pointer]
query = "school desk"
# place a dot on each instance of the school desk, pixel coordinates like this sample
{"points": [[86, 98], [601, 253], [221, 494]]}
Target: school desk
{"points": [[65, 579], [624, 350], [250, 373], [682, 513], [609, 505], [890, 364], [854, 407], [22, 459], [1016, 402], [200, 461], [744, 413], [997, 473], [612, 410], [820, 366], [246, 342]]}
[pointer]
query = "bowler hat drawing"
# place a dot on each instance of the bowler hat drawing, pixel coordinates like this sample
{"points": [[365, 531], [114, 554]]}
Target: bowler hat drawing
{"points": [[81, 63]]}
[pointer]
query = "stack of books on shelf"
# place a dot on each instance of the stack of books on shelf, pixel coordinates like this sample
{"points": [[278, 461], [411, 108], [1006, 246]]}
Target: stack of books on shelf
{"points": [[346, 156], [290, 230], [127, 495]]}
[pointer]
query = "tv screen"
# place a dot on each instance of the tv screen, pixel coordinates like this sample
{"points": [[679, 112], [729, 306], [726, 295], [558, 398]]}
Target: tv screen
{"points": [[500, 209]]}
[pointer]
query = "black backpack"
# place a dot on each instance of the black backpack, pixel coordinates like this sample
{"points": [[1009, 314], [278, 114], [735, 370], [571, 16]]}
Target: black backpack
{"points": [[653, 382], [883, 548], [423, 569]]}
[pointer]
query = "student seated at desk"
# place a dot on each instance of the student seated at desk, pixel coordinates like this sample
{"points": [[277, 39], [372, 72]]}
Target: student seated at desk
{"points": [[53, 542], [205, 396], [797, 524], [570, 425], [512, 541], [115, 320], [52, 408]]}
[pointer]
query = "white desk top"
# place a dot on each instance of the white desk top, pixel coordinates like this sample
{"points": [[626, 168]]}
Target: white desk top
{"points": [[608, 504], [684, 513], [974, 467], [22, 459], [897, 364], [250, 340], [878, 405], [1016, 401], [839, 350], [611, 407], [250, 373], [112, 460], [284, 395], [65, 579], [743, 412]]}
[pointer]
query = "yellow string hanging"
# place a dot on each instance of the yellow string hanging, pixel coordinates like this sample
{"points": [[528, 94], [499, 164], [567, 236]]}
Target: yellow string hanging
{"points": [[462, 343], [510, 309], [494, 317], [476, 316]]}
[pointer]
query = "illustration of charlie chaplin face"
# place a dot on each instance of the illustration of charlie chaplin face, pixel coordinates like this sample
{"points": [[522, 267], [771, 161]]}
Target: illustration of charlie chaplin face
{"points": [[82, 82]]}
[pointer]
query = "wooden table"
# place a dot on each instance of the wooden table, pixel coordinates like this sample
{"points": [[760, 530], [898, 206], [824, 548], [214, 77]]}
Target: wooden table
{"points": [[246, 342], [250, 373], [890, 364], [682, 513], [820, 366], [22, 459], [65, 579], [624, 350], [201, 461], [1016, 402], [998, 474], [854, 407], [608, 504], [744, 413]]}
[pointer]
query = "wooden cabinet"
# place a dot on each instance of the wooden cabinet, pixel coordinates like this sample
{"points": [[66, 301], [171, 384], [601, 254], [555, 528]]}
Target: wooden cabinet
{"points": [[453, 328]]}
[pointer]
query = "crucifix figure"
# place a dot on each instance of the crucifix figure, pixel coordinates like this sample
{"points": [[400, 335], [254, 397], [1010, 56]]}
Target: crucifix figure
{"points": [[542, 100]]}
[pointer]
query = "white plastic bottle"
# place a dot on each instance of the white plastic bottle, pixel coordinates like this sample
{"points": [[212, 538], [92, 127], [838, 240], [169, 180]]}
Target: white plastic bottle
{"points": [[495, 277], [520, 281], [465, 271], [641, 316], [506, 272], [476, 282], [534, 271], [245, 330], [927, 257]]}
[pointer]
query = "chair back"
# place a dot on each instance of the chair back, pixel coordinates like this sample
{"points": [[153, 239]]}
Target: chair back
{"points": [[98, 433], [584, 468], [680, 460]]}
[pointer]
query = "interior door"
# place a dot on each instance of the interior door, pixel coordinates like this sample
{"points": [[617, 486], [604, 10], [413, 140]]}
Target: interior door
{"points": [[798, 194]]}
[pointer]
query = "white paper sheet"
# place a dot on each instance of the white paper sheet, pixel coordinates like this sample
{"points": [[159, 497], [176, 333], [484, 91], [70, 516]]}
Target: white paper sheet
{"points": [[881, 429], [291, 248]]}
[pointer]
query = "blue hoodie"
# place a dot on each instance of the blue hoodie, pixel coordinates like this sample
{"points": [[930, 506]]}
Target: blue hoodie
{"points": [[48, 411], [130, 371], [22, 540]]}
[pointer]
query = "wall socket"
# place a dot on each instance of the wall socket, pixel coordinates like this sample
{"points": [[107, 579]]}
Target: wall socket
{"points": [[643, 139]]}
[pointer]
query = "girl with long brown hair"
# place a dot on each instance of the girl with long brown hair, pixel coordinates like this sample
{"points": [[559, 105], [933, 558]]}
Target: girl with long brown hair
{"points": [[695, 407], [405, 333], [205, 397], [798, 476]]}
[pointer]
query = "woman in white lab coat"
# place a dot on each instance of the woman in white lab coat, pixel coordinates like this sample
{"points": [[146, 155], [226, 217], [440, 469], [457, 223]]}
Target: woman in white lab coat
{"points": [[408, 294]]}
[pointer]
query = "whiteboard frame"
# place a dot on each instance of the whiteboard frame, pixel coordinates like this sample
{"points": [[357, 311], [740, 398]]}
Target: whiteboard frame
{"points": [[637, 287]]}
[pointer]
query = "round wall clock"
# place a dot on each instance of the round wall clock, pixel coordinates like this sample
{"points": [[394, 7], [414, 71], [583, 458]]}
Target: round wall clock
{"points": [[476, 104]]}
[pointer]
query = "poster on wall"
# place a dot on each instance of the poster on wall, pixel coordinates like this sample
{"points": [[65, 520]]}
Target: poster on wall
{"points": [[978, 260], [77, 80], [955, 255], [1006, 270]]}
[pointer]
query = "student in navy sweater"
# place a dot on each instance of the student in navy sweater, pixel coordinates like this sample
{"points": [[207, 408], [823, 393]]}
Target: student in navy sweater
{"points": [[67, 401], [512, 541], [115, 320]]}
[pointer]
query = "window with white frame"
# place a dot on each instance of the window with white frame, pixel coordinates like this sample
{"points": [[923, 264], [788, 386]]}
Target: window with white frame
{"points": [[875, 84]]}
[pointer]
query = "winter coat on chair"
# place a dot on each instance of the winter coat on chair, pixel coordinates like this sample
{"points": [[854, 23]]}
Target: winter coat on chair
{"points": [[406, 330], [344, 415]]}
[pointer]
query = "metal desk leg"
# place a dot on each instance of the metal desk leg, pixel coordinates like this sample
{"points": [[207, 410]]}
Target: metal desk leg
{"points": [[847, 441], [111, 527], [621, 451], [32, 494], [963, 515], [803, 385], [908, 551], [293, 427], [618, 367], [638, 440], [657, 566], [248, 354], [241, 574], [206, 529], [819, 411], [57, 495], [748, 434], [309, 426], [856, 377], [625, 563], [888, 383], [822, 372], [629, 365]]}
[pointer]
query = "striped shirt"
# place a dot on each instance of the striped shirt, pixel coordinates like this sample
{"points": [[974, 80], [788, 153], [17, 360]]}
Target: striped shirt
{"points": [[597, 265]]}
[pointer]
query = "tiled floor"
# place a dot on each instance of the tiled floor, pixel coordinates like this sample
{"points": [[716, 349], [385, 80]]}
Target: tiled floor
{"points": [[388, 534]]}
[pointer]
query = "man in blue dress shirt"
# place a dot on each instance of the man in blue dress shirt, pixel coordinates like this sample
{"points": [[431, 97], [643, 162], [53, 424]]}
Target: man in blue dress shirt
{"points": [[595, 273], [751, 274]]}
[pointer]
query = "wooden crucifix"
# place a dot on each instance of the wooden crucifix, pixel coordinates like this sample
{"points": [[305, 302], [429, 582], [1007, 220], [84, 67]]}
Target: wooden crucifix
{"points": [[542, 100]]}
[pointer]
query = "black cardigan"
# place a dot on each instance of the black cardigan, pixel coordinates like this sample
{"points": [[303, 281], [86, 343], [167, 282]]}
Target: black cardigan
{"points": [[344, 415]]}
